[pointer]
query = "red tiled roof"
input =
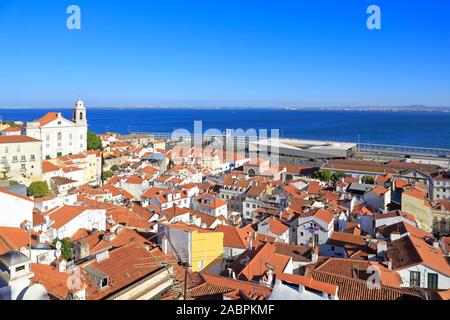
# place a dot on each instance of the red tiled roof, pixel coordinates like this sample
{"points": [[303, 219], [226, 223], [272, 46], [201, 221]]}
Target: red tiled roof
{"points": [[253, 264], [353, 289], [379, 190], [48, 166], [63, 215], [13, 239], [17, 139], [235, 237], [49, 117], [411, 250], [12, 129], [319, 213], [309, 282]]}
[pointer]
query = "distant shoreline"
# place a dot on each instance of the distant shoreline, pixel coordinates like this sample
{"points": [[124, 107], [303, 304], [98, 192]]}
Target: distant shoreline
{"points": [[359, 109]]}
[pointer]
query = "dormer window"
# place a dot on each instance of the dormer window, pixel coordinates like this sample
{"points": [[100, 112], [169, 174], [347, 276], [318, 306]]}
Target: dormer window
{"points": [[104, 283], [20, 268]]}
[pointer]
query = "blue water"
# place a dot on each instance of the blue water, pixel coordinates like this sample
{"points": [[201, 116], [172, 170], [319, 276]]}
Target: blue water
{"points": [[425, 129]]}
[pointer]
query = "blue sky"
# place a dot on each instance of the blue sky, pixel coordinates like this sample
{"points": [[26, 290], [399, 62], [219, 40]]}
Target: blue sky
{"points": [[224, 53]]}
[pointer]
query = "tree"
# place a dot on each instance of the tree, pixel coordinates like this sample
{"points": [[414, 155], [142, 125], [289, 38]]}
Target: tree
{"points": [[93, 141], [106, 175], [66, 248], [38, 189], [368, 179], [115, 168], [323, 175], [337, 176], [12, 124]]}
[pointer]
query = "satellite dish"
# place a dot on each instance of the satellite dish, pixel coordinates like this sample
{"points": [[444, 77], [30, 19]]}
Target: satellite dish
{"points": [[58, 245], [36, 292]]}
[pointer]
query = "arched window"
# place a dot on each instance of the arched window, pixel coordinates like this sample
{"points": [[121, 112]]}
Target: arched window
{"points": [[81, 115], [251, 172], [59, 136]]}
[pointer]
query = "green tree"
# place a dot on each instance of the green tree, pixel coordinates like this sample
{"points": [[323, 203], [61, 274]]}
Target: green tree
{"points": [[368, 179], [66, 248], [323, 175], [12, 124], [115, 168], [38, 189], [337, 176], [106, 175], [93, 141]]}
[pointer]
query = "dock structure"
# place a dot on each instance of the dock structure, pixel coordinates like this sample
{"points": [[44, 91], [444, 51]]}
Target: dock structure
{"points": [[302, 151]]}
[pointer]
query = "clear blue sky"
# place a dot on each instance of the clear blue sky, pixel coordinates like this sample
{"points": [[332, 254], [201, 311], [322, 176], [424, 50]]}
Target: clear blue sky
{"points": [[224, 53]]}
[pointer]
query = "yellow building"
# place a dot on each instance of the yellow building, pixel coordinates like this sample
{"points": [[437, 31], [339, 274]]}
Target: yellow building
{"points": [[199, 247], [90, 162], [415, 202]]}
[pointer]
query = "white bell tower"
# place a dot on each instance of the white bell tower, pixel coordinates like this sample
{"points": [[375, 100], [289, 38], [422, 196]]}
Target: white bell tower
{"points": [[79, 113]]}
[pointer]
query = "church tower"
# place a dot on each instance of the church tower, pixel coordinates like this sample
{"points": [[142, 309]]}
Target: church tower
{"points": [[79, 113]]}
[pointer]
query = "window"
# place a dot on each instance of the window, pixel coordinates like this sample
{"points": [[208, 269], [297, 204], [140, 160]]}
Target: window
{"points": [[14, 159], [21, 268], [316, 239], [22, 166], [32, 157], [104, 283], [432, 281], [47, 137], [414, 279], [18, 148], [23, 158], [70, 136], [6, 149], [59, 136]]}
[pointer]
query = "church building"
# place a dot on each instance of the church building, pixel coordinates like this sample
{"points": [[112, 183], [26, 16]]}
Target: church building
{"points": [[60, 136]]}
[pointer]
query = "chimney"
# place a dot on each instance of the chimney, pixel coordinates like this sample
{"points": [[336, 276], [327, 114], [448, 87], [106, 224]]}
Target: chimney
{"points": [[395, 236], [269, 275], [311, 243], [165, 244], [390, 265], [381, 249], [315, 254], [367, 238], [436, 244], [250, 243], [301, 289], [109, 237]]}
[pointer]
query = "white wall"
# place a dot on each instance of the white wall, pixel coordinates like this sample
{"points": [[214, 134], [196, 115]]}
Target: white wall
{"points": [[88, 219], [304, 225], [14, 210], [443, 281]]}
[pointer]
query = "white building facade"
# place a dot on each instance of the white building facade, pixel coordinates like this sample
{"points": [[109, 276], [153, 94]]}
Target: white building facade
{"points": [[60, 136]]}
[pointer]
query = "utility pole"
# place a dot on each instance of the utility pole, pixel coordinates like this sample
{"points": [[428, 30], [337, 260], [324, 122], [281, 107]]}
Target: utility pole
{"points": [[185, 282], [186, 269]]}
